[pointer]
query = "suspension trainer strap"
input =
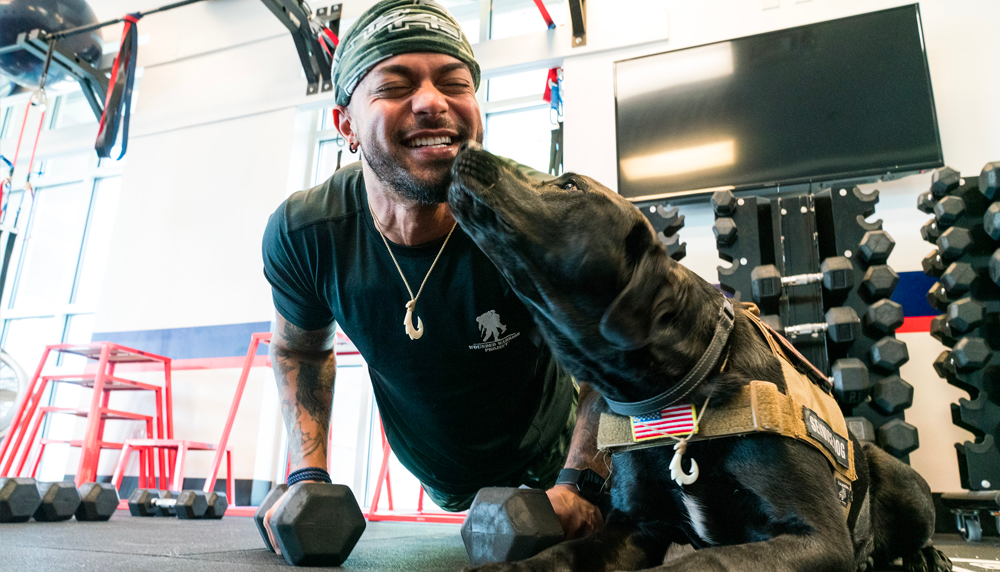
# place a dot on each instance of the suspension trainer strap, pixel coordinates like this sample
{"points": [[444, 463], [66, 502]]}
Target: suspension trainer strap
{"points": [[118, 104]]}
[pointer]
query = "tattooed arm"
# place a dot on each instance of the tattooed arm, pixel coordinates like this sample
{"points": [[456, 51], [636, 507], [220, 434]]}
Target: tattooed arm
{"points": [[304, 367], [578, 516]]}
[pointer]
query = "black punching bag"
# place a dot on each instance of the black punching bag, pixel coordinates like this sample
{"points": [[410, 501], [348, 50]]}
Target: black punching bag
{"points": [[51, 16]]}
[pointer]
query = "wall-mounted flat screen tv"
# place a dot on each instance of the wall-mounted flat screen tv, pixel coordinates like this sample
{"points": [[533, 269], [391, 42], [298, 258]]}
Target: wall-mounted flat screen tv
{"points": [[829, 101]]}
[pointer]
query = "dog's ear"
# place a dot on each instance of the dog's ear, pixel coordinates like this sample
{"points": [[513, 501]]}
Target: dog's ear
{"points": [[628, 323]]}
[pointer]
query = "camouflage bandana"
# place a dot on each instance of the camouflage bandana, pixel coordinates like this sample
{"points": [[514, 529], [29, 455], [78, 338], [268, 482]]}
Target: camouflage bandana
{"points": [[394, 27]]}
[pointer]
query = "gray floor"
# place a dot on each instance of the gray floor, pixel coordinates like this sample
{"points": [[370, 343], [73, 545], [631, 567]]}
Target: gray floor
{"points": [[127, 543], [230, 544]]}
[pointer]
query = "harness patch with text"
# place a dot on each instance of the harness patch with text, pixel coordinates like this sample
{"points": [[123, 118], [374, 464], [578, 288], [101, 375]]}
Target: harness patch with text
{"points": [[819, 430]]}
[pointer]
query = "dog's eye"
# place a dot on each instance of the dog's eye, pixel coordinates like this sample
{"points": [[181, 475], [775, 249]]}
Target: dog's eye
{"points": [[570, 186]]}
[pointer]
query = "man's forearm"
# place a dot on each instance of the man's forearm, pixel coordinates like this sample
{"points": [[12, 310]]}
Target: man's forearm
{"points": [[305, 388], [583, 451]]}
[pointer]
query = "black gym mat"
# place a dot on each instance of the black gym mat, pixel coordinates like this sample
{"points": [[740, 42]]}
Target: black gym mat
{"points": [[233, 543], [128, 543]]}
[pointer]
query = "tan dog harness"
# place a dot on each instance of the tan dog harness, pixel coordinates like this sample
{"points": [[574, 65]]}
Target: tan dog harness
{"points": [[804, 412]]}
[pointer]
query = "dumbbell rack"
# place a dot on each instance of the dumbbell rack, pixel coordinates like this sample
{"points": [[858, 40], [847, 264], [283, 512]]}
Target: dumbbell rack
{"points": [[796, 230], [667, 222], [103, 381], [966, 232]]}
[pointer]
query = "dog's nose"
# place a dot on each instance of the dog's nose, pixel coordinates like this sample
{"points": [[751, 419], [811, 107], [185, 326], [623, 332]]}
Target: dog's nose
{"points": [[471, 145]]}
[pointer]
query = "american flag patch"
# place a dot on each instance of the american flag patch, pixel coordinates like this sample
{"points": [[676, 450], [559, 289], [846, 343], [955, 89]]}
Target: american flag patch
{"points": [[676, 420]]}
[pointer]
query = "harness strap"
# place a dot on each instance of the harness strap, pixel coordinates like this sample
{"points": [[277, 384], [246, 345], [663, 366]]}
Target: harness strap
{"points": [[698, 373]]}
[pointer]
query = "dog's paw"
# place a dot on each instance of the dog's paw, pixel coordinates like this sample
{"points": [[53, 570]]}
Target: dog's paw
{"points": [[927, 559]]}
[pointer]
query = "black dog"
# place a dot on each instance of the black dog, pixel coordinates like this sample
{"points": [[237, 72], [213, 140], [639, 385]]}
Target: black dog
{"points": [[623, 316]]}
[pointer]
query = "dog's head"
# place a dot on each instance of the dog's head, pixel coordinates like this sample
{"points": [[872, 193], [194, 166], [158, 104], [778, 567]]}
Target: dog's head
{"points": [[617, 311]]}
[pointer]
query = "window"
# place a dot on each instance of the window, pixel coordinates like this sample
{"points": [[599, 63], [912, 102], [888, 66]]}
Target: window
{"points": [[71, 109], [516, 17], [62, 240], [518, 122]]}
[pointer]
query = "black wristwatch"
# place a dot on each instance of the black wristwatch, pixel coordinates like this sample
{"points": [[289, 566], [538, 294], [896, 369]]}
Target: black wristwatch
{"points": [[589, 483]]}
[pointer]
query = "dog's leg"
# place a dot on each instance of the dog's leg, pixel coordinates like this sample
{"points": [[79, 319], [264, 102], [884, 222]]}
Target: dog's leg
{"points": [[620, 545], [902, 514], [771, 506]]}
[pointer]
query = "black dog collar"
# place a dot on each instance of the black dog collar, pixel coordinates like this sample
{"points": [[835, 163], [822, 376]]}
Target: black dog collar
{"points": [[694, 377]]}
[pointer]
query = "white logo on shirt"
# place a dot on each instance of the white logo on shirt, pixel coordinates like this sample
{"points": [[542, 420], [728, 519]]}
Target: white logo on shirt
{"points": [[490, 325]]}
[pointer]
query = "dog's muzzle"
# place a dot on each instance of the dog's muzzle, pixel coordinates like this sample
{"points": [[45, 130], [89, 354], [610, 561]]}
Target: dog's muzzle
{"points": [[475, 163]]}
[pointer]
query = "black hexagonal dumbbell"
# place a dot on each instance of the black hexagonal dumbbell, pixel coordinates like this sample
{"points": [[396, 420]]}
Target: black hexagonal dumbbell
{"points": [[892, 395], [957, 279], [944, 181], [879, 281], [861, 428], [930, 232], [876, 246], [944, 365], [948, 210], [888, 354], [836, 274], [940, 330], [884, 316], [60, 501], [926, 202], [995, 267], [989, 180], [98, 502], [937, 297], [897, 437], [991, 221], [725, 231], [965, 314], [317, 525], [217, 505], [971, 353], [509, 524], [953, 243], [186, 505], [932, 264], [842, 325], [723, 203], [19, 499], [850, 381]]}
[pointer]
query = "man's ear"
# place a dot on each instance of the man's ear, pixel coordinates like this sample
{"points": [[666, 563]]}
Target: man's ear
{"points": [[343, 121], [628, 323]]}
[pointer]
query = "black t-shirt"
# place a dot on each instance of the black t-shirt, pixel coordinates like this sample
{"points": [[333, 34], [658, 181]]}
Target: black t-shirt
{"points": [[472, 401]]}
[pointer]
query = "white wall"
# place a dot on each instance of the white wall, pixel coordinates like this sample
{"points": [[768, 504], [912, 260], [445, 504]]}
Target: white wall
{"points": [[219, 140]]}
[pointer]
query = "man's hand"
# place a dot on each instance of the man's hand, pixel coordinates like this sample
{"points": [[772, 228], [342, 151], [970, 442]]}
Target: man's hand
{"points": [[267, 523], [577, 516]]}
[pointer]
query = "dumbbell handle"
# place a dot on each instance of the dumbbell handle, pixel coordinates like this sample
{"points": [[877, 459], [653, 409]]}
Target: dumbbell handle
{"points": [[806, 329], [801, 279], [164, 503]]}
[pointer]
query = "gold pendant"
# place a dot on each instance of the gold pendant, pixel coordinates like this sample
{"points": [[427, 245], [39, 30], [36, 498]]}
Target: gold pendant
{"points": [[414, 333]]}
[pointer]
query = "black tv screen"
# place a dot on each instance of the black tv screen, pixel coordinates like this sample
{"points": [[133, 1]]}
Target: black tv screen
{"points": [[834, 100]]}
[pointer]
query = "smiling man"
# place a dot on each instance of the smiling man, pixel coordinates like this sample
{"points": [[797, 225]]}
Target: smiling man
{"points": [[469, 394]]}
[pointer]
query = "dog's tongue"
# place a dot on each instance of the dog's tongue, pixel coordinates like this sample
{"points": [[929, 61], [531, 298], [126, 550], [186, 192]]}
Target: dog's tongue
{"points": [[473, 161]]}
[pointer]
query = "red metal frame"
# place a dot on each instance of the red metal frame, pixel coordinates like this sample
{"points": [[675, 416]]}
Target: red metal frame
{"points": [[108, 355], [373, 515], [148, 447], [545, 14], [255, 340]]}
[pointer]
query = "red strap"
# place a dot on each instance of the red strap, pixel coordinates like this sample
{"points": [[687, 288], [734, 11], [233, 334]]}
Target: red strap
{"points": [[551, 81], [545, 14], [332, 36], [130, 20]]}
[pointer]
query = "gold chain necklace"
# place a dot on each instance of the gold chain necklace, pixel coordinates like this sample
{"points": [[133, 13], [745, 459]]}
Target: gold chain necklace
{"points": [[414, 333]]}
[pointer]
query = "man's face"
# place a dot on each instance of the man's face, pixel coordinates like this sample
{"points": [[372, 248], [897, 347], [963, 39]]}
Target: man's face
{"points": [[410, 114]]}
